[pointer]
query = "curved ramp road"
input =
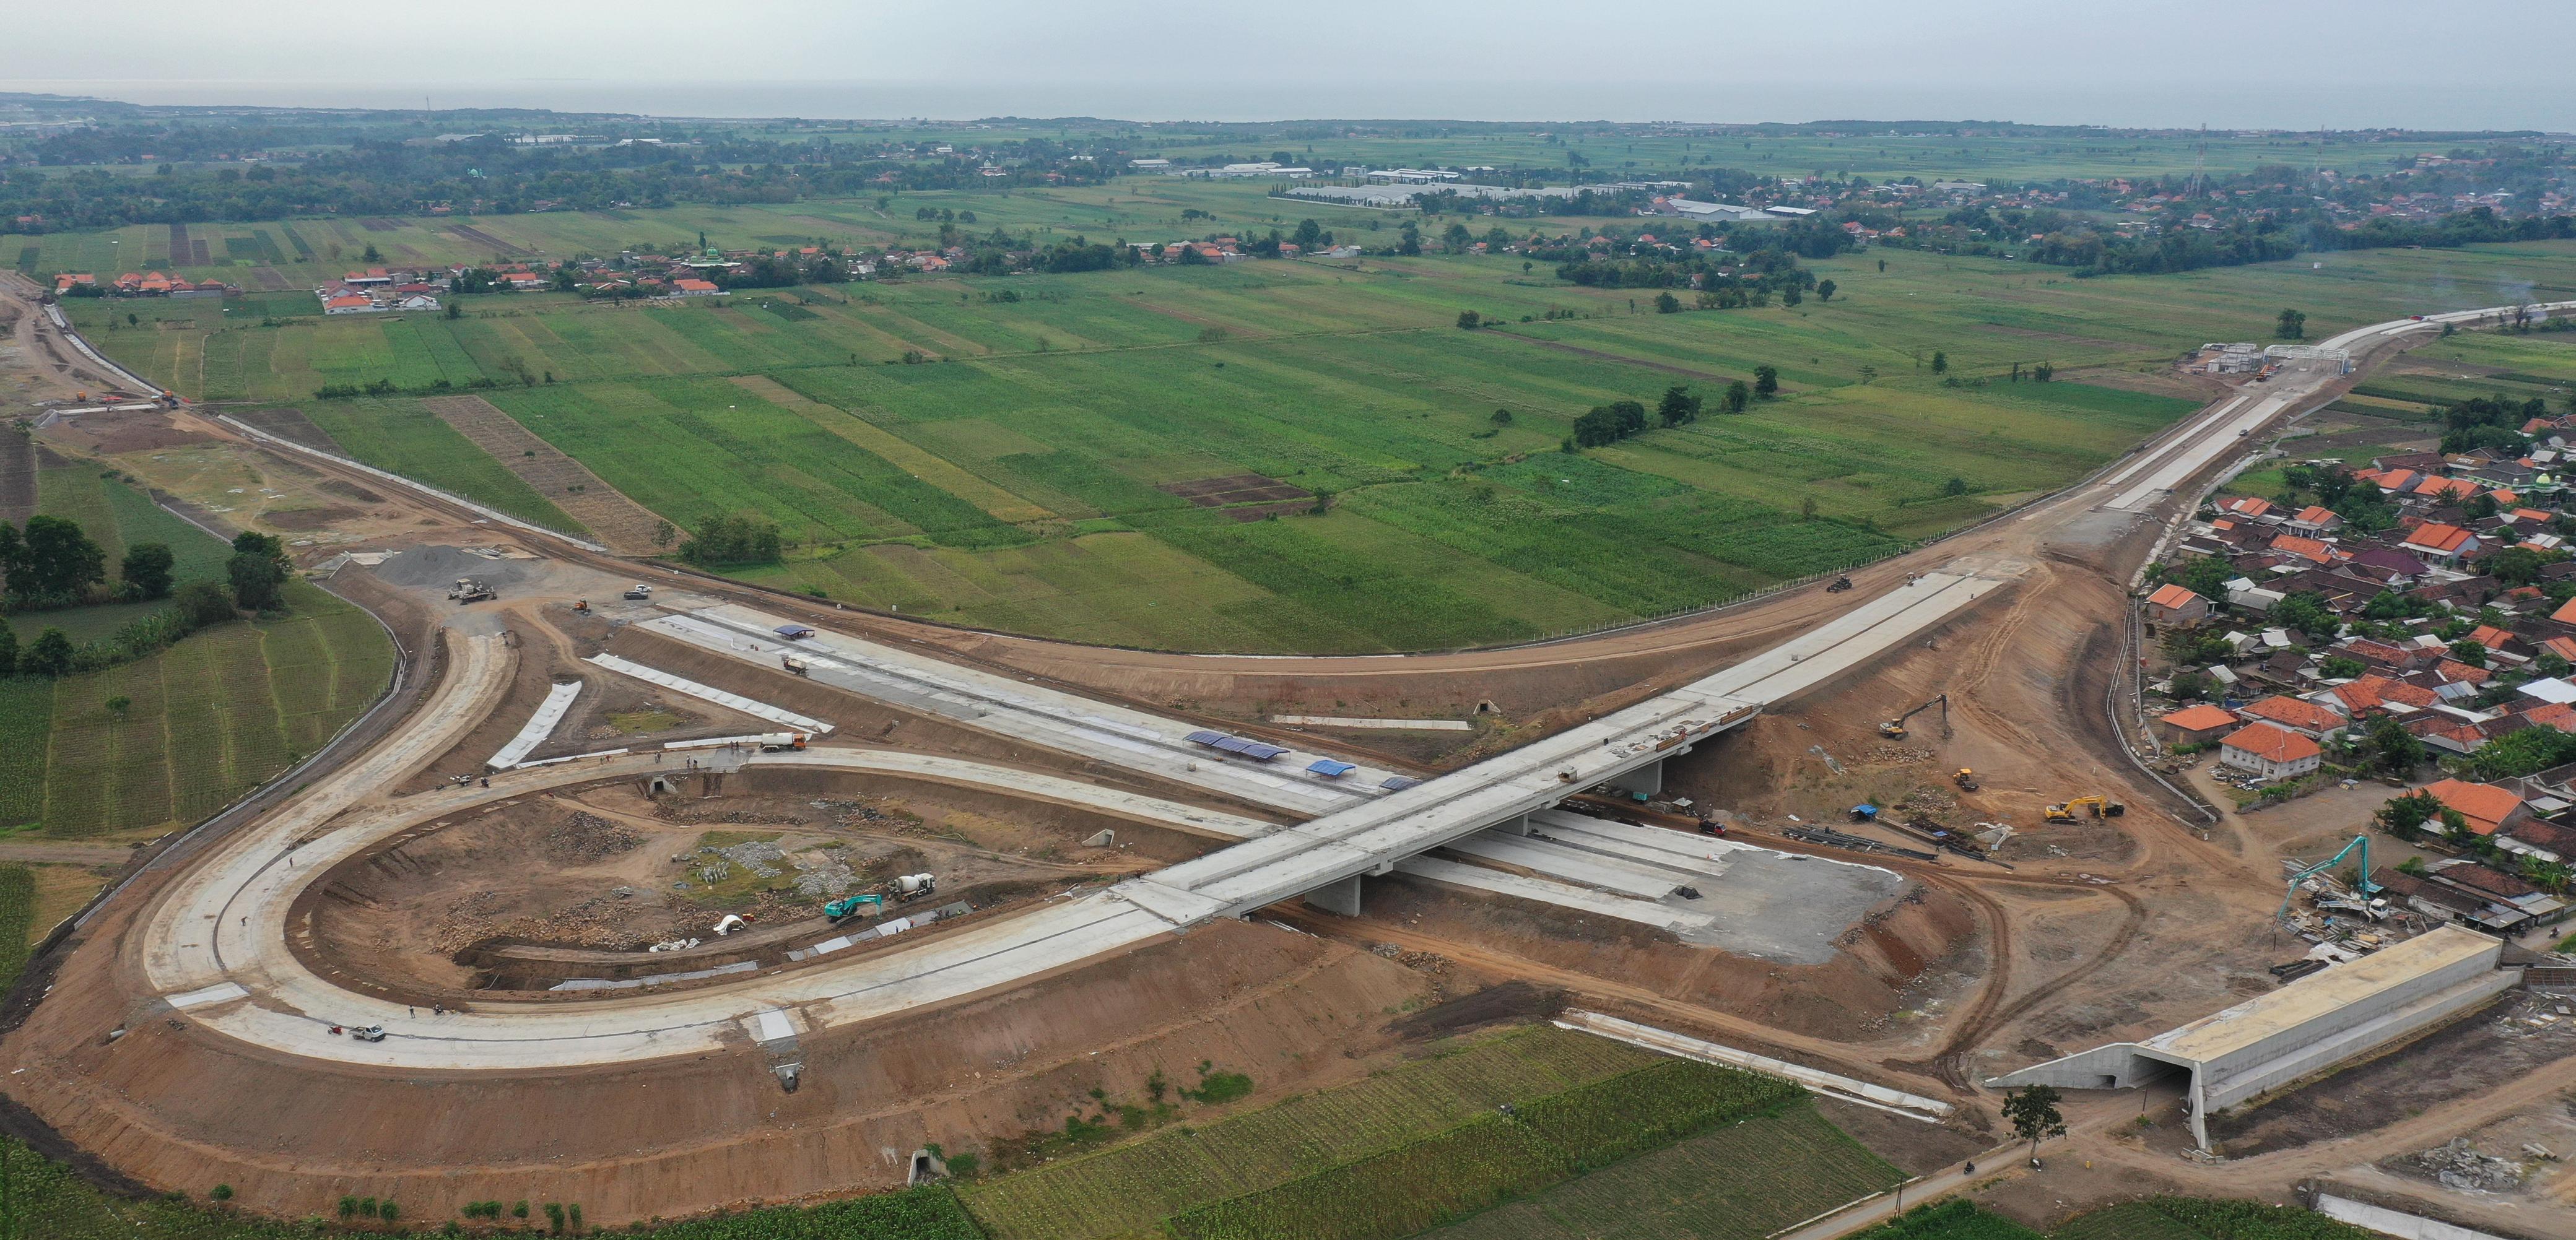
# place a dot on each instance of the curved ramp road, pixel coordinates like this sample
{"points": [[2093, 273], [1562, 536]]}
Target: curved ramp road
{"points": [[215, 945]]}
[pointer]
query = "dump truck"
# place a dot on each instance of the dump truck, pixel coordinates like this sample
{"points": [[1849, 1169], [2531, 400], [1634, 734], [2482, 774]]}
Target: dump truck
{"points": [[471, 590], [840, 910], [795, 666], [2099, 807], [638, 591], [773, 742]]}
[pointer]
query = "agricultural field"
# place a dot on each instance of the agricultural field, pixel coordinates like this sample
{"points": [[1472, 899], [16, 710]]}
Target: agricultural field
{"points": [[116, 516], [201, 722], [1399, 1189], [1742, 1181], [1130, 1188], [17, 919], [1281, 456], [45, 1199]]}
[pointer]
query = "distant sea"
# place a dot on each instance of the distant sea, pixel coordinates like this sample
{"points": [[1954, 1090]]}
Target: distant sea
{"points": [[2360, 105]]}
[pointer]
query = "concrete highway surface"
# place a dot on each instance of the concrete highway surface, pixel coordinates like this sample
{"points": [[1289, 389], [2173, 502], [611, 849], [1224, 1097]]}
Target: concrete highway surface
{"points": [[215, 945]]}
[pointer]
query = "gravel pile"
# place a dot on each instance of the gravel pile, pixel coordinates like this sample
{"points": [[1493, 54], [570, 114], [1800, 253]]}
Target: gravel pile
{"points": [[829, 877], [423, 568], [588, 837], [761, 857], [2457, 1164]]}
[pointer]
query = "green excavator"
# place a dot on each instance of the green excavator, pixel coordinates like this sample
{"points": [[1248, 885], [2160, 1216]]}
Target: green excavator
{"points": [[840, 910]]}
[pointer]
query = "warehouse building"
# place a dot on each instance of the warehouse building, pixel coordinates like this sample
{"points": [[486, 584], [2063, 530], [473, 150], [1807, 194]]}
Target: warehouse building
{"points": [[2305, 1028]]}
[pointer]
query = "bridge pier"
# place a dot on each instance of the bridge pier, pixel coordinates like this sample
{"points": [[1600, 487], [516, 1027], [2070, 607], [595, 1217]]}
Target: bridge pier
{"points": [[1342, 896], [1647, 779]]}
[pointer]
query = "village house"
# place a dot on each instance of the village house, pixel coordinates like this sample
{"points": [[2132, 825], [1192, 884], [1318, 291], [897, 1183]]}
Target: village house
{"points": [[2269, 752], [2197, 724], [2174, 603]]}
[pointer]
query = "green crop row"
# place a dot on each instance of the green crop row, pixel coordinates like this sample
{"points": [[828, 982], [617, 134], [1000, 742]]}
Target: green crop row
{"points": [[1397, 1193], [1129, 1188], [1613, 1120], [45, 1201], [17, 920], [1491, 1160]]}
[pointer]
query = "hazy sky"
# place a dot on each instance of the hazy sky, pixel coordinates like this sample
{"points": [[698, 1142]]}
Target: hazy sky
{"points": [[2501, 64]]}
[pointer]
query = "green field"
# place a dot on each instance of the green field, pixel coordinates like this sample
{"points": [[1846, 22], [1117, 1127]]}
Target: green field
{"points": [[1130, 1188], [206, 720], [115, 516], [1029, 477]]}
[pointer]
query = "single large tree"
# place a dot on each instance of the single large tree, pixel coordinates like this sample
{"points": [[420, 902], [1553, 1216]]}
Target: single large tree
{"points": [[49, 655], [2034, 1115], [258, 571], [59, 559], [1678, 406], [1738, 395], [1766, 381], [146, 570], [2291, 325]]}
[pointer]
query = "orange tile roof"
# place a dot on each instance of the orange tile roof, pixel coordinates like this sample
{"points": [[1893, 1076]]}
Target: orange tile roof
{"points": [[2435, 536], [2529, 514], [2460, 487], [2563, 647], [2557, 715], [2293, 712], [2305, 548], [2484, 805], [2200, 717], [2397, 479], [2315, 514], [2490, 636], [2566, 613], [2270, 743], [2172, 594], [2455, 671], [2365, 692], [2248, 505]]}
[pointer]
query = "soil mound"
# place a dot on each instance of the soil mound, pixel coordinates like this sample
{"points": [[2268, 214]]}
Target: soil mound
{"points": [[589, 837]]}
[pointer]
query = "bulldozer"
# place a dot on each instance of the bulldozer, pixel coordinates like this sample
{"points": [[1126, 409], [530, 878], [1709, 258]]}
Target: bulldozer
{"points": [[1894, 729], [2100, 807], [1966, 779]]}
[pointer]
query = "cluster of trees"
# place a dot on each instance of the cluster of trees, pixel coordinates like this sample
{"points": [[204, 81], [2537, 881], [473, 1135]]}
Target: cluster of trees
{"points": [[356, 172], [54, 563], [2067, 241], [2490, 422], [43, 559], [1608, 424], [747, 538]]}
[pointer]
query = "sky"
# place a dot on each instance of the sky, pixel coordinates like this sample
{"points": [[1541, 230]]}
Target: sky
{"points": [[2290, 64]]}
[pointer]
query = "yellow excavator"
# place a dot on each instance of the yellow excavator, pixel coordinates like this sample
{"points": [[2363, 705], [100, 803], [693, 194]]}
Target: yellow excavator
{"points": [[2101, 807], [1894, 729], [1966, 779]]}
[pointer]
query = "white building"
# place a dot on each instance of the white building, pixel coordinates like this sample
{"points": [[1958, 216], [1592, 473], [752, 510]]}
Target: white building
{"points": [[2269, 752]]}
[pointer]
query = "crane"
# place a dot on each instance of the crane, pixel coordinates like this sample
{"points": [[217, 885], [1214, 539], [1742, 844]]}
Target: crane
{"points": [[2368, 887], [1894, 729]]}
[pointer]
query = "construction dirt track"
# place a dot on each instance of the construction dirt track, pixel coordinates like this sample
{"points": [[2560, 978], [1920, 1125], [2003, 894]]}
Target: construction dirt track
{"points": [[2102, 930]]}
